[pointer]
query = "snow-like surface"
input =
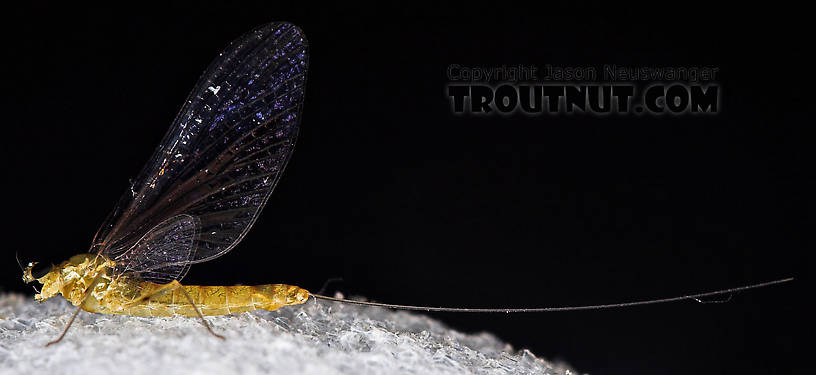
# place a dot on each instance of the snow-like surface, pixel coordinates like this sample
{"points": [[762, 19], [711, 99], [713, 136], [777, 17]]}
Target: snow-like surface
{"points": [[318, 337]]}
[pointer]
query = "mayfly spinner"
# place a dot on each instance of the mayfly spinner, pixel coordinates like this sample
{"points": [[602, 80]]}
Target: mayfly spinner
{"points": [[202, 190]]}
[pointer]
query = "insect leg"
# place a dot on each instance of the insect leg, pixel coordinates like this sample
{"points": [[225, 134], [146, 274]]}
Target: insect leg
{"points": [[169, 287], [70, 322], [161, 290], [76, 312], [204, 321]]}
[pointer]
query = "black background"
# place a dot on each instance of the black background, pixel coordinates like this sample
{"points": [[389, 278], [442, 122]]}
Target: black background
{"points": [[411, 204]]}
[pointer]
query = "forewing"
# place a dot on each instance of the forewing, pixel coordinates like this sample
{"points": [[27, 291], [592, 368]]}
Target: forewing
{"points": [[224, 152]]}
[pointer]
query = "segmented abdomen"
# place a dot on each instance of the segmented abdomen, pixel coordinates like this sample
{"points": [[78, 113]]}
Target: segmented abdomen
{"points": [[210, 300]]}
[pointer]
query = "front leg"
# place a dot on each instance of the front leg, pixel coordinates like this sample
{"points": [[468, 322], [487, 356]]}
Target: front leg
{"points": [[82, 300]]}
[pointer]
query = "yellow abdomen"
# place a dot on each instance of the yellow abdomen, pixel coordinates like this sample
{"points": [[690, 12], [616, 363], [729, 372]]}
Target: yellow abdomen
{"points": [[210, 300]]}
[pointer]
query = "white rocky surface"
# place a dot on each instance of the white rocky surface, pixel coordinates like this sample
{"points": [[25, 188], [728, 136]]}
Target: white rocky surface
{"points": [[318, 337]]}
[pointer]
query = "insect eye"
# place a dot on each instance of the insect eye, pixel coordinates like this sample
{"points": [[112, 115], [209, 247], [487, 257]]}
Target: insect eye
{"points": [[39, 270]]}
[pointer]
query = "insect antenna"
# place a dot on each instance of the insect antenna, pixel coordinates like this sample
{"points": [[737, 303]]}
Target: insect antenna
{"points": [[17, 255], [697, 297]]}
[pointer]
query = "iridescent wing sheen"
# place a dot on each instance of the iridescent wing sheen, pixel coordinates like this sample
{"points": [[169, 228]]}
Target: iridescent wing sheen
{"points": [[161, 254], [220, 159]]}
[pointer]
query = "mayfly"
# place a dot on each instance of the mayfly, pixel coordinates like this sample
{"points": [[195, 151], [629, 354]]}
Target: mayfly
{"points": [[201, 191]]}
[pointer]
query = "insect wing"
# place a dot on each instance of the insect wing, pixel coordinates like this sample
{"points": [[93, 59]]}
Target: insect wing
{"points": [[163, 253], [222, 156]]}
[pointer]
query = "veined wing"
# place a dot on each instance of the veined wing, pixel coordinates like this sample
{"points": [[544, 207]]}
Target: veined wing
{"points": [[163, 253], [223, 154]]}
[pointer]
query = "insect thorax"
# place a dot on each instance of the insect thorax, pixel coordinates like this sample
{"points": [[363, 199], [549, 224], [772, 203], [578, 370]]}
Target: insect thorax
{"points": [[72, 278]]}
